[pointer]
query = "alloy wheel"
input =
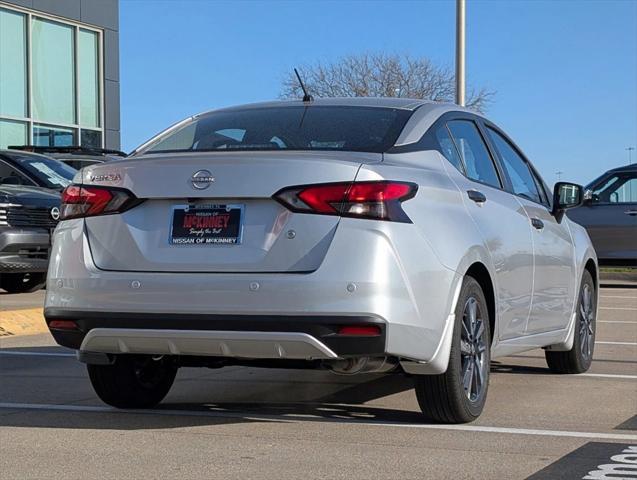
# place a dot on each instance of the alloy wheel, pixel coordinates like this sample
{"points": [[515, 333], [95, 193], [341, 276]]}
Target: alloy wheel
{"points": [[473, 346], [587, 322]]}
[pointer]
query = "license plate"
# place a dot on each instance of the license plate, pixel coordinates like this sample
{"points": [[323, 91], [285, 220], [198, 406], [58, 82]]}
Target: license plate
{"points": [[207, 225]]}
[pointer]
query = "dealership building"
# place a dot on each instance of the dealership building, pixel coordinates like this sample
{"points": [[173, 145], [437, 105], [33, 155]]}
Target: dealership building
{"points": [[59, 73]]}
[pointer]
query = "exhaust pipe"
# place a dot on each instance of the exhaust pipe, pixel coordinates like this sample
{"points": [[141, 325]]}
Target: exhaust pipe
{"points": [[353, 366]]}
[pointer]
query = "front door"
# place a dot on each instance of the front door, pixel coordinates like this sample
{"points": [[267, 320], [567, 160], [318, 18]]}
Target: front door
{"points": [[554, 272], [504, 225]]}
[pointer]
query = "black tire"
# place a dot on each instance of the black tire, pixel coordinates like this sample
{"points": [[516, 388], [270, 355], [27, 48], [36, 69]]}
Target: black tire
{"points": [[133, 381], [22, 282], [443, 398], [579, 358]]}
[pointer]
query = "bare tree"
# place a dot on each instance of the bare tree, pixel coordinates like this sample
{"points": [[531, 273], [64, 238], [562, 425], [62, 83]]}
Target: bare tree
{"points": [[382, 75]]}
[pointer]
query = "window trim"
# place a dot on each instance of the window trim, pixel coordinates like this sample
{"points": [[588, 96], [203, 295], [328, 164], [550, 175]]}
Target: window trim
{"points": [[77, 26]]}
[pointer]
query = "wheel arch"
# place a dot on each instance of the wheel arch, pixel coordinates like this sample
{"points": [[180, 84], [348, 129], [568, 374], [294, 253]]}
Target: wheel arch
{"points": [[480, 273]]}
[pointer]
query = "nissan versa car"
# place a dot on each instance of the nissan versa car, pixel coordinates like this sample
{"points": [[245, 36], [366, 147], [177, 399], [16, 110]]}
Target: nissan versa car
{"points": [[357, 235]]}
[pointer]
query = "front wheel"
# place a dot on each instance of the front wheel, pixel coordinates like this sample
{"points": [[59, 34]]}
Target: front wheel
{"points": [[579, 358], [133, 381], [459, 394]]}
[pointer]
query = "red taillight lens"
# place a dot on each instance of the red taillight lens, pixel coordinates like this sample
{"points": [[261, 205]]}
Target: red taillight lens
{"points": [[63, 325], [378, 200], [79, 201], [360, 330]]}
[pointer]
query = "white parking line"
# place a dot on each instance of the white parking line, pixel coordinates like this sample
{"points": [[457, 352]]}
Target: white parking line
{"points": [[618, 296], [633, 344], [619, 308], [608, 375], [615, 321], [37, 354], [305, 417]]}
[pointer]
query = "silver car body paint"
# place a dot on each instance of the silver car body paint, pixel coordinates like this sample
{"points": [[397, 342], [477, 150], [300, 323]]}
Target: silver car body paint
{"points": [[407, 274]]}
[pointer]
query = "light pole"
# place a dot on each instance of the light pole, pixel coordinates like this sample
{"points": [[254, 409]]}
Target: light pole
{"points": [[630, 154], [559, 175], [460, 57]]}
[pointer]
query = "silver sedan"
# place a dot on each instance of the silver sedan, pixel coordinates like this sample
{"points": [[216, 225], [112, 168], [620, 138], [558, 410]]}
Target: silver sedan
{"points": [[357, 235]]}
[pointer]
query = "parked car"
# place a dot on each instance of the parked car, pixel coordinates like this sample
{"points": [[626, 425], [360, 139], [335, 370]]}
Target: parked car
{"points": [[359, 235], [75, 156], [30, 186], [609, 214], [28, 214], [31, 169]]}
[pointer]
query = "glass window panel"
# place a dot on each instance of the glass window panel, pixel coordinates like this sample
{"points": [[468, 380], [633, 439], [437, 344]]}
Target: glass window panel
{"points": [[12, 133], [53, 71], [474, 152], [44, 136], [89, 79], [13, 59], [448, 149], [91, 138], [517, 169]]}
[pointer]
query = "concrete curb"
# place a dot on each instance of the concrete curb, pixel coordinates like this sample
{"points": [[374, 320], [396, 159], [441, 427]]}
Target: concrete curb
{"points": [[22, 322]]}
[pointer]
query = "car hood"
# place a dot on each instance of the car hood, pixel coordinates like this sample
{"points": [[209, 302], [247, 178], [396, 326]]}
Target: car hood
{"points": [[23, 195]]}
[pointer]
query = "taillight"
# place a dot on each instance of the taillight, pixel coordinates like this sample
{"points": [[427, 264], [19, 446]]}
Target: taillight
{"points": [[379, 200], [88, 201]]}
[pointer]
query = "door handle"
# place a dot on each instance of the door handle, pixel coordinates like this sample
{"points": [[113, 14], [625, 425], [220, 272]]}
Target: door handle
{"points": [[537, 223], [632, 213], [477, 196]]}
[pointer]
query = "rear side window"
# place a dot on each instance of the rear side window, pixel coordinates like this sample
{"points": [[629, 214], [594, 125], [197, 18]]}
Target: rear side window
{"points": [[447, 148], [474, 152], [516, 168], [313, 127]]}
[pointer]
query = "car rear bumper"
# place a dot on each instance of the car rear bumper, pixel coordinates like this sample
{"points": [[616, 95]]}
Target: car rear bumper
{"points": [[24, 250], [363, 279], [242, 336]]}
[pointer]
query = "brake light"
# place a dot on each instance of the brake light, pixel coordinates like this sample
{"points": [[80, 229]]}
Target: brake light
{"points": [[380, 200], [88, 201]]}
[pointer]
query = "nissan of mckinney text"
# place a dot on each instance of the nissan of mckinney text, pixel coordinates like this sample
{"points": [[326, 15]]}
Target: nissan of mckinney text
{"points": [[358, 235]]}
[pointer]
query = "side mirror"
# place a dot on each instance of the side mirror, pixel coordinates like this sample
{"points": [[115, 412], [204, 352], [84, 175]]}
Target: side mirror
{"points": [[566, 195]]}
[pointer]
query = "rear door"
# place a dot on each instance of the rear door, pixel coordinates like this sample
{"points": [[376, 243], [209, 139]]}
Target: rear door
{"points": [[554, 271], [504, 226], [610, 217], [231, 201]]}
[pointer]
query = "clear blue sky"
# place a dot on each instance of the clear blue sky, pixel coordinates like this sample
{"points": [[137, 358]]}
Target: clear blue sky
{"points": [[565, 71]]}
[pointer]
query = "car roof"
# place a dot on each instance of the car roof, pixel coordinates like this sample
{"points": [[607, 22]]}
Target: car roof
{"points": [[383, 102], [625, 168], [15, 154]]}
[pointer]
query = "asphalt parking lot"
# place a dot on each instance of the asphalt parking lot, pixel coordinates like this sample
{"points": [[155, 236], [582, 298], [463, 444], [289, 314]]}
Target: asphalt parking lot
{"points": [[254, 423]]}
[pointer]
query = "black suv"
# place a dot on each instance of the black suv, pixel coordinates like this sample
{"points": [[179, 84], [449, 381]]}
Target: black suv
{"points": [[30, 188]]}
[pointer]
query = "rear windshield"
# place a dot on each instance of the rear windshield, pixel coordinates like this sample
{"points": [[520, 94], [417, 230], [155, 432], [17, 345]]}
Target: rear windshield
{"points": [[49, 173], [357, 129]]}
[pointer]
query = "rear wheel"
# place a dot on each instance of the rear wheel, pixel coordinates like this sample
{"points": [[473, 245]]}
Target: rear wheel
{"points": [[579, 358], [459, 394], [22, 282], [133, 381]]}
